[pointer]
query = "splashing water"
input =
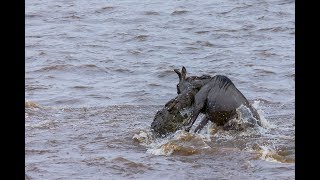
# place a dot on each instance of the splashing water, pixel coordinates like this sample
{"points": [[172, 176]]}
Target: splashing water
{"points": [[97, 72], [266, 124]]}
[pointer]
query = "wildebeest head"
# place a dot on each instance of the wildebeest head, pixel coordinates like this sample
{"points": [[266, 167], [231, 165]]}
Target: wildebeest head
{"points": [[183, 84], [189, 82]]}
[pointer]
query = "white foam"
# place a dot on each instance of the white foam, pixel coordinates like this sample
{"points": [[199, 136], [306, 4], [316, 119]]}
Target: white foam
{"points": [[207, 134], [264, 122], [159, 152], [156, 147], [180, 139], [167, 145], [144, 138], [266, 154]]}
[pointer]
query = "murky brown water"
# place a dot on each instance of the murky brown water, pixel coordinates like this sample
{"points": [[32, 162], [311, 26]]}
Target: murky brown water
{"points": [[97, 72]]}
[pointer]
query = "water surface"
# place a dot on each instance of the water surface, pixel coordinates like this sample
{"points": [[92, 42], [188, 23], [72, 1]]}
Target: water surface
{"points": [[97, 72]]}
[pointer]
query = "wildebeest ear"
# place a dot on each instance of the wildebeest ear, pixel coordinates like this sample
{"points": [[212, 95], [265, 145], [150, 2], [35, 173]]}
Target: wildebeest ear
{"points": [[178, 72], [183, 73]]}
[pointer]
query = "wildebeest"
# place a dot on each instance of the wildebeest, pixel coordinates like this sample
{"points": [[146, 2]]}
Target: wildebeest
{"points": [[214, 96], [217, 98]]}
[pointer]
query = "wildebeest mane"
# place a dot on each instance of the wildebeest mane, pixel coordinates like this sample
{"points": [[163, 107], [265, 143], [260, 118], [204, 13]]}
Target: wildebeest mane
{"points": [[223, 81]]}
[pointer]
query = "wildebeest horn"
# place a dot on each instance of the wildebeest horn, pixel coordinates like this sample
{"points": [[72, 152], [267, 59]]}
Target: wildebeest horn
{"points": [[178, 72], [183, 73]]}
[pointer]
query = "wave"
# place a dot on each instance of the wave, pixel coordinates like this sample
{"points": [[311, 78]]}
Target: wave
{"points": [[214, 139], [179, 12], [269, 154], [30, 104], [179, 143]]}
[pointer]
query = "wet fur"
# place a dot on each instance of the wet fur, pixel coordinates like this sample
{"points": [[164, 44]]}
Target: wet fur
{"points": [[216, 97]]}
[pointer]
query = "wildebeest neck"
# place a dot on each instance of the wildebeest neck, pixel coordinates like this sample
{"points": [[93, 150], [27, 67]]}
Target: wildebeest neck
{"points": [[196, 82]]}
